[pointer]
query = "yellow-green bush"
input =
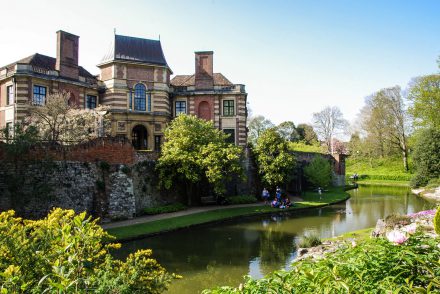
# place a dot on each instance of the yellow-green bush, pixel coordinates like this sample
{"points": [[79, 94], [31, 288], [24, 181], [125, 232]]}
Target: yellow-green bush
{"points": [[436, 221], [69, 253]]}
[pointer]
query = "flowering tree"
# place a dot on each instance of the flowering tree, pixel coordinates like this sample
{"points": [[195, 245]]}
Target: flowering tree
{"points": [[57, 121]]}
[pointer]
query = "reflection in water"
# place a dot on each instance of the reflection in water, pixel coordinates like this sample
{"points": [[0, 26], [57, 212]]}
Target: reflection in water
{"points": [[222, 255]]}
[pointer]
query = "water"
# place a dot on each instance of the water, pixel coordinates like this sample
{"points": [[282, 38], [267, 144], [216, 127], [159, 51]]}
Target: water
{"points": [[221, 255]]}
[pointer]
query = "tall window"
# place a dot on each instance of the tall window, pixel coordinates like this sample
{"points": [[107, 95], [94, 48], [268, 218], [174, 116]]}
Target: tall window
{"points": [[10, 95], [157, 143], [91, 101], [130, 100], [180, 107], [228, 107], [149, 102], [39, 95], [231, 133], [140, 97]]}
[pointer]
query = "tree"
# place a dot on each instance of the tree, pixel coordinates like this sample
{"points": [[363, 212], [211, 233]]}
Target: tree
{"points": [[426, 157], [328, 123], [257, 125], [57, 121], [194, 151], [275, 162], [386, 121], [425, 97], [69, 253], [288, 131], [307, 134], [318, 172]]}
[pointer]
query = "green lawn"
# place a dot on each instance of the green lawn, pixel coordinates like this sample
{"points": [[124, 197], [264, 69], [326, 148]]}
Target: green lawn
{"points": [[378, 171], [311, 199]]}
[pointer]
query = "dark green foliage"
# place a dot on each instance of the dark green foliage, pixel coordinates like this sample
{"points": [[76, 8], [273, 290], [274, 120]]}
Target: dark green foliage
{"points": [[308, 241], [105, 166], [373, 266], [318, 173], [101, 185], [126, 169], [241, 199], [426, 157], [165, 209], [275, 161]]}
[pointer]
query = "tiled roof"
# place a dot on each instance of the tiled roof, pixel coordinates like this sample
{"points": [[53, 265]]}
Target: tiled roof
{"points": [[189, 80], [135, 49], [47, 63]]}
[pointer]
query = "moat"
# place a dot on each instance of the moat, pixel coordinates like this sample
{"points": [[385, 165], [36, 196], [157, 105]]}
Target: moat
{"points": [[221, 255]]}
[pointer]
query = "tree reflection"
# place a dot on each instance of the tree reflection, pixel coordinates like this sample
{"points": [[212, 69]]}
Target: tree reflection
{"points": [[275, 249]]}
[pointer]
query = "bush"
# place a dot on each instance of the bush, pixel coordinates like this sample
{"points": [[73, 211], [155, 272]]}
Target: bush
{"points": [[68, 253], [318, 173], [308, 241], [427, 157], [242, 199], [436, 221], [374, 266], [165, 209]]}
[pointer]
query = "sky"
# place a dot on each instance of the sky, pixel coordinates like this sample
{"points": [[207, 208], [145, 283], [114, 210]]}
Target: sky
{"points": [[295, 57]]}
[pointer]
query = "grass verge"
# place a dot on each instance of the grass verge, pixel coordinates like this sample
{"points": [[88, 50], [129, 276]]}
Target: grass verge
{"points": [[384, 183], [311, 199]]}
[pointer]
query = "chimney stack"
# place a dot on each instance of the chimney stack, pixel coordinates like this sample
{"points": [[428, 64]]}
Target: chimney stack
{"points": [[204, 78], [67, 55]]}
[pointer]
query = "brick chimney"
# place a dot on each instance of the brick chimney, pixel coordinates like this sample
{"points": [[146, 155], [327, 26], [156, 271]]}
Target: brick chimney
{"points": [[204, 70], [67, 55]]}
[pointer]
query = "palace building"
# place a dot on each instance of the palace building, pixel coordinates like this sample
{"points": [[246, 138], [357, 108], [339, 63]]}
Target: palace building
{"points": [[134, 82]]}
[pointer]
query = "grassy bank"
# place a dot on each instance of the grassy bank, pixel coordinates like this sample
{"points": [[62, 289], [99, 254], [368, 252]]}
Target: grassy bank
{"points": [[378, 171], [310, 200]]}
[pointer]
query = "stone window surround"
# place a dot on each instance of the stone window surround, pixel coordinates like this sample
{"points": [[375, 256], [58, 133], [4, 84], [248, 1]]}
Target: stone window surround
{"points": [[148, 99]]}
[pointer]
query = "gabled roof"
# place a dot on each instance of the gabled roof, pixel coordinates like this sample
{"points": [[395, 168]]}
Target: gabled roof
{"points": [[45, 62], [135, 49], [189, 80]]}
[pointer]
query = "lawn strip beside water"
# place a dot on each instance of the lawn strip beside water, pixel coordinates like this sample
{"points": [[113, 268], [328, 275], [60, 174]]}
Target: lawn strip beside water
{"points": [[383, 183], [311, 200]]}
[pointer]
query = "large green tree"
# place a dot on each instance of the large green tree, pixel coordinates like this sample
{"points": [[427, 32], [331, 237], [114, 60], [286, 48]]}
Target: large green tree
{"points": [[385, 121], [288, 131], [425, 97], [307, 134], [427, 157], [275, 162], [257, 125], [195, 151]]}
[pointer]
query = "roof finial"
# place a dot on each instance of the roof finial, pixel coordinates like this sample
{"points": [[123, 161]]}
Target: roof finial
{"points": [[159, 37], [114, 31]]}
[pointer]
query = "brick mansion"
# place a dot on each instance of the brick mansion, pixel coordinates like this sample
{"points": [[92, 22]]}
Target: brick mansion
{"points": [[134, 82]]}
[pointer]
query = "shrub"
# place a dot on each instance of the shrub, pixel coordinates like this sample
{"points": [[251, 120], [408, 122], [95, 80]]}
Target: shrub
{"points": [[436, 221], [68, 253], [242, 199], [165, 209], [308, 241], [373, 266], [318, 173], [394, 220]]}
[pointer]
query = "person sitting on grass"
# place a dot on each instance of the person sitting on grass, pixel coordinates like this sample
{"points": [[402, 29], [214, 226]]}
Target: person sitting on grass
{"points": [[275, 203], [286, 202]]}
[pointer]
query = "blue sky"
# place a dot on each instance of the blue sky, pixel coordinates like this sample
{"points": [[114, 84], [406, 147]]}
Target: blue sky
{"points": [[295, 57]]}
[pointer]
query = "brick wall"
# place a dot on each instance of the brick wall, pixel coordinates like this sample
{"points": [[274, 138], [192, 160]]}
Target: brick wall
{"points": [[111, 150]]}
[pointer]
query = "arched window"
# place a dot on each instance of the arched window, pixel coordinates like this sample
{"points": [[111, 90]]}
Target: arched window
{"points": [[140, 97]]}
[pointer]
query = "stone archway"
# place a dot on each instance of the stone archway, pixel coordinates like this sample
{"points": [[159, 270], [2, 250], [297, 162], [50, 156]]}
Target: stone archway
{"points": [[139, 137], [204, 110]]}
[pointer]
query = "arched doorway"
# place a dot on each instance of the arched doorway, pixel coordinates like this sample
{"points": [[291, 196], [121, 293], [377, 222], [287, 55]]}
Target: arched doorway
{"points": [[204, 110], [139, 137]]}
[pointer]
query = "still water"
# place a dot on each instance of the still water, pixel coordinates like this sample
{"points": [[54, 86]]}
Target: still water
{"points": [[221, 255]]}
